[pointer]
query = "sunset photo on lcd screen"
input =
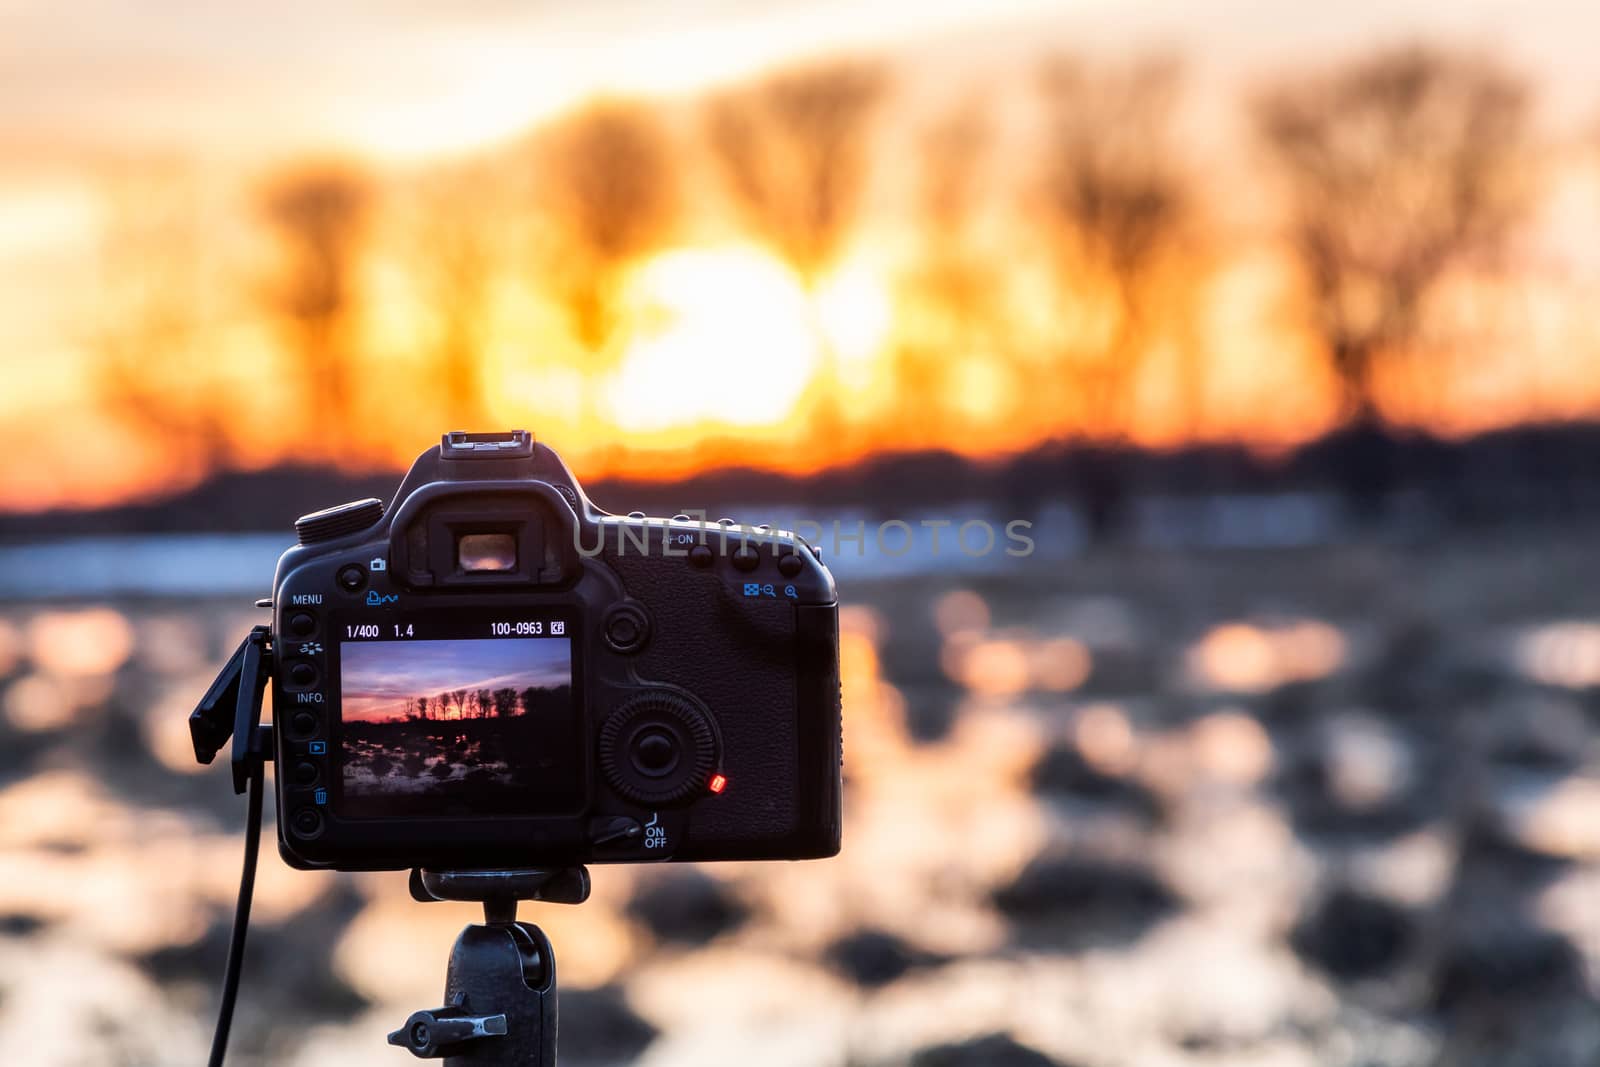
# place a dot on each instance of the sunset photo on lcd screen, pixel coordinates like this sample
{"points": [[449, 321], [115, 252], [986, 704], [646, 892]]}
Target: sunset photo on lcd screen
{"points": [[452, 723]]}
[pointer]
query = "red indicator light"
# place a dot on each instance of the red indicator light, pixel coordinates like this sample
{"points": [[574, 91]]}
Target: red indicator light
{"points": [[718, 783]]}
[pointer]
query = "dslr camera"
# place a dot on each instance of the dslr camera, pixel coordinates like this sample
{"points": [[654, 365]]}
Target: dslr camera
{"points": [[492, 672]]}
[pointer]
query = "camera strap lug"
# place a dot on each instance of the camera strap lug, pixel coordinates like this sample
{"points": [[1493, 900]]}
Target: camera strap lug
{"points": [[231, 708]]}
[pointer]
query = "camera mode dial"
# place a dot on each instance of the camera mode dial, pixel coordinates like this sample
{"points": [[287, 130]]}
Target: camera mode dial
{"points": [[658, 748], [330, 524]]}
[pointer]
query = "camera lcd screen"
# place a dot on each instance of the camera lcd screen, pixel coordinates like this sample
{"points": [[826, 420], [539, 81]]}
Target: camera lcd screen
{"points": [[458, 726]]}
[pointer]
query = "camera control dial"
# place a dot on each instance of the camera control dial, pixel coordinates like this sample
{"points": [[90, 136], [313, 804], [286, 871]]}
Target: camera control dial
{"points": [[658, 748]]}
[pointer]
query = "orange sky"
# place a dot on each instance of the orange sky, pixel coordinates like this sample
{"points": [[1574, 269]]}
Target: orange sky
{"points": [[232, 89]]}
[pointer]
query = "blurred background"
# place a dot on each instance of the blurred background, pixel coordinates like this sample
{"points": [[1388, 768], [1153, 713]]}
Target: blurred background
{"points": [[1275, 322]]}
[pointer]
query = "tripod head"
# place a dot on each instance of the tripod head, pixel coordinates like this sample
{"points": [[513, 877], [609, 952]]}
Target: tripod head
{"points": [[500, 988]]}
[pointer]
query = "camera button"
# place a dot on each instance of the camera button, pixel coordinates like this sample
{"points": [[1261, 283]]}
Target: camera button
{"points": [[655, 752], [352, 577], [789, 565], [303, 723], [746, 558], [303, 674], [626, 628], [307, 822], [302, 624], [306, 773], [702, 556]]}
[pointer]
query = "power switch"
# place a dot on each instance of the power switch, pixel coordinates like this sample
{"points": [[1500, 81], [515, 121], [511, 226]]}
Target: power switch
{"points": [[609, 829]]}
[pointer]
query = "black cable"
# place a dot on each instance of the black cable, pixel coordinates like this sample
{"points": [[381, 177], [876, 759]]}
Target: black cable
{"points": [[241, 922]]}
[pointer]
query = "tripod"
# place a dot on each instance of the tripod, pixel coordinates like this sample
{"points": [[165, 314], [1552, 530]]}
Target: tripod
{"points": [[500, 988]]}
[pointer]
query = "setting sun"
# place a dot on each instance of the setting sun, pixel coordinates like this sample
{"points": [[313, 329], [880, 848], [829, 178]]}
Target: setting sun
{"points": [[727, 339]]}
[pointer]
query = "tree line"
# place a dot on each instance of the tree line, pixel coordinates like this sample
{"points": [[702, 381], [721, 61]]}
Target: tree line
{"points": [[1389, 178], [501, 703]]}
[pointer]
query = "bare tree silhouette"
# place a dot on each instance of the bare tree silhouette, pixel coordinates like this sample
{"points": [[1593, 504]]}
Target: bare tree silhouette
{"points": [[459, 232], [1398, 169], [950, 298], [149, 332], [606, 183], [505, 702], [1116, 207], [1116, 203], [793, 149], [319, 215]]}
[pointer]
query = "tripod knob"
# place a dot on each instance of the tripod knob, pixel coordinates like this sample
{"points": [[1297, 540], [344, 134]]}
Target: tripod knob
{"points": [[432, 1034]]}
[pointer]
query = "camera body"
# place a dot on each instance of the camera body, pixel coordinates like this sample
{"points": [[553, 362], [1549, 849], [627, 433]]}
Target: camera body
{"points": [[492, 672]]}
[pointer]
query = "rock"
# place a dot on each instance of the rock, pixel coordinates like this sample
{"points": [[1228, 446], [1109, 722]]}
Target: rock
{"points": [[930, 711], [1503, 960], [1351, 935], [1541, 732], [991, 1050], [1357, 777], [598, 1026], [201, 960], [20, 924], [19, 750], [686, 905], [874, 958], [1062, 772], [1090, 900], [288, 965], [1490, 855]]}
